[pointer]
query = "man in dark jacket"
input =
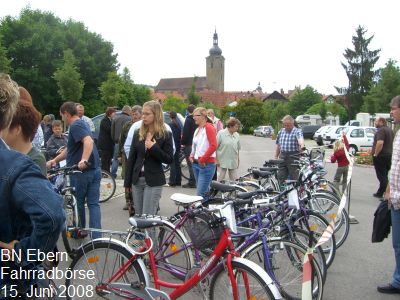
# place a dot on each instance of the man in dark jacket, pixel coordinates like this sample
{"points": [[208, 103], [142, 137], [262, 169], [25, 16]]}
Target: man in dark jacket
{"points": [[175, 176], [105, 142], [187, 138], [116, 126]]}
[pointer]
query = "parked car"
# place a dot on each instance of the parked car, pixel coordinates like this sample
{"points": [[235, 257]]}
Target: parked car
{"points": [[318, 135], [332, 134], [265, 131], [360, 138], [97, 119], [309, 130]]}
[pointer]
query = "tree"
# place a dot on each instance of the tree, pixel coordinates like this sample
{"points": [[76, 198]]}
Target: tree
{"points": [[274, 112], [4, 61], [250, 112], [337, 109], [193, 98], [112, 90], [119, 90], [379, 97], [359, 70], [35, 42], [323, 111], [68, 79], [174, 104], [303, 100]]}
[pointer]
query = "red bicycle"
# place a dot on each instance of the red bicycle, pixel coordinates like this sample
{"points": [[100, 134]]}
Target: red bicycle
{"points": [[119, 271]]}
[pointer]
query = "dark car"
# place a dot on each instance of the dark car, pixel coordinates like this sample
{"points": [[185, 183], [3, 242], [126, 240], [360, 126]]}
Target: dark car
{"points": [[309, 130]]}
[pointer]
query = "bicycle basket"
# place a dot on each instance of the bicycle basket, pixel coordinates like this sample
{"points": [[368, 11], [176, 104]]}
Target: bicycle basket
{"points": [[203, 231]]}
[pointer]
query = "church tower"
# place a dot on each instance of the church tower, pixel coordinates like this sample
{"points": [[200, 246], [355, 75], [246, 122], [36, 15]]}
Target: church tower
{"points": [[215, 64]]}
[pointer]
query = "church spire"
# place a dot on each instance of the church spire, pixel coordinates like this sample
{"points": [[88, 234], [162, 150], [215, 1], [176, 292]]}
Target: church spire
{"points": [[215, 50]]}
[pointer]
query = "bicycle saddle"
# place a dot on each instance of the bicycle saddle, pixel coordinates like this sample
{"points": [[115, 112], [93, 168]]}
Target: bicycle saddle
{"points": [[141, 223], [275, 161], [262, 174], [185, 200], [269, 169], [222, 187]]}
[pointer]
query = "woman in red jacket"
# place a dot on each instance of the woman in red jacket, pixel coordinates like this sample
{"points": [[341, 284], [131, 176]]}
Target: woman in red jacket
{"points": [[204, 149], [339, 156]]}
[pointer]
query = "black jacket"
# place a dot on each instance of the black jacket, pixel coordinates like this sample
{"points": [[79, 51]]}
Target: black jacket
{"points": [[116, 125], [188, 131], [382, 223], [105, 142], [152, 159]]}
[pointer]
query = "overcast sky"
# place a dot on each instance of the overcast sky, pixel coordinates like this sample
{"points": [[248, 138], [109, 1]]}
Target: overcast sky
{"points": [[280, 44]]}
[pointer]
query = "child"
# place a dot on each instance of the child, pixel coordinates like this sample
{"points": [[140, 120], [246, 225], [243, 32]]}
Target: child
{"points": [[57, 141], [339, 156]]}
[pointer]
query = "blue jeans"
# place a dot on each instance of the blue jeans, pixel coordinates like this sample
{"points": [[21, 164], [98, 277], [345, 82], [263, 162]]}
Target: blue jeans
{"points": [[87, 188], [115, 163], [203, 176], [395, 214]]}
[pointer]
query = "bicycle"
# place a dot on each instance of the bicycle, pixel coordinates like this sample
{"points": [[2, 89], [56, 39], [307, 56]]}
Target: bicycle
{"points": [[60, 177], [266, 250], [107, 186], [120, 270], [183, 164]]}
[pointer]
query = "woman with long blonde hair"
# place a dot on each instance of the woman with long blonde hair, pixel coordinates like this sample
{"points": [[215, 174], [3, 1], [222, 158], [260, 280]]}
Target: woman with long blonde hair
{"points": [[151, 147], [204, 149]]}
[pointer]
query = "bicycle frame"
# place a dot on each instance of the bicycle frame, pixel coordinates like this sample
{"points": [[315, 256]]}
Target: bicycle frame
{"points": [[224, 244]]}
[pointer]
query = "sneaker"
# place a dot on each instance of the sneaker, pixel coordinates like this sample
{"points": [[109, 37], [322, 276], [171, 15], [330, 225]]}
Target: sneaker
{"points": [[188, 185]]}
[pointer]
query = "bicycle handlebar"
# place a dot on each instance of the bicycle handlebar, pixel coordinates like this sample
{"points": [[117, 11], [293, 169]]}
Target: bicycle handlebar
{"points": [[63, 170]]}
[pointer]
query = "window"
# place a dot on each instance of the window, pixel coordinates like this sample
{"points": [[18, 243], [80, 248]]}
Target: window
{"points": [[370, 131], [357, 133]]}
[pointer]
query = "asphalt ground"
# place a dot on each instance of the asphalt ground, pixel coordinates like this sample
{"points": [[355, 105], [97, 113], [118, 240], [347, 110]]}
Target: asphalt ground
{"points": [[359, 265]]}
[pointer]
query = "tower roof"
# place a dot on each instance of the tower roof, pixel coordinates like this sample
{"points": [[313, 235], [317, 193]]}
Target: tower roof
{"points": [[215, 50]]}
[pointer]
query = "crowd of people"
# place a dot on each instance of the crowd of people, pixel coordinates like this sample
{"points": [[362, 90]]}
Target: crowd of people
{"points": [[138, 138]]}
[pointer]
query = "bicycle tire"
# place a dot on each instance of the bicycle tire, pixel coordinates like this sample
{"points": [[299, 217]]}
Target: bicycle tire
{"points": [[107, 186], [184, 167], [172, 252], [71, 221], [90, 257], [221, 287], [301, 237], [318, 224], [286, 260], [327, 205]]}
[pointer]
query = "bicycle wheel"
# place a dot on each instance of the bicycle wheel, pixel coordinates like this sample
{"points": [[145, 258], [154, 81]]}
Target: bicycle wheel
{"points": [[285, 260], [69, 235], [107, 186], [251, 280], [172, 251], [318, 224], [103, 259], [301, 237], [328, 207], [184, 168]]}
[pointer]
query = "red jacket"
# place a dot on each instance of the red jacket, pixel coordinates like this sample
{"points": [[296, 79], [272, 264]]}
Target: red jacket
{"points": [[340, 156]]}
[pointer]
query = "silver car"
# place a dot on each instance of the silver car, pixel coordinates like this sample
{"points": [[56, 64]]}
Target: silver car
{"points": [[265, 131]]}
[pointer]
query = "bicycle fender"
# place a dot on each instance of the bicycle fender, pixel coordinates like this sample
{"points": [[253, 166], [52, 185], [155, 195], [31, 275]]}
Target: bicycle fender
{"points": [[119, 243], [260, 271]]}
